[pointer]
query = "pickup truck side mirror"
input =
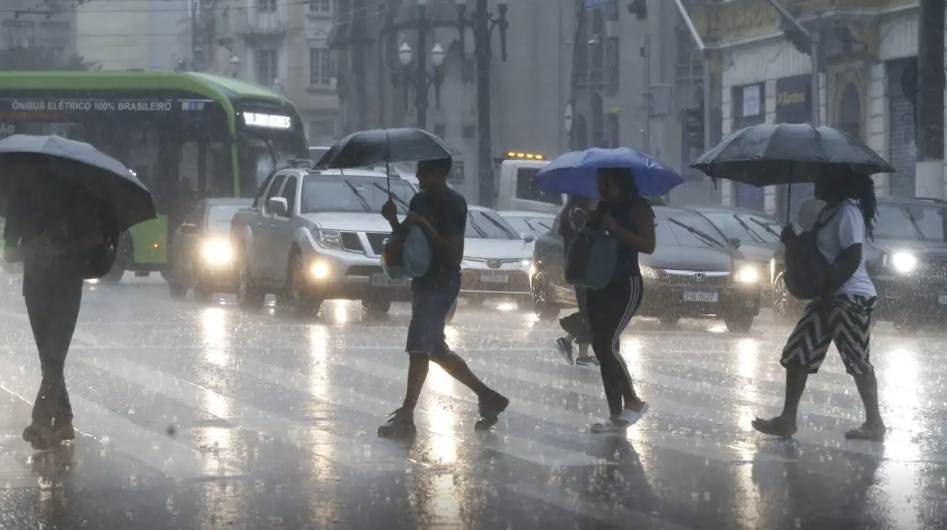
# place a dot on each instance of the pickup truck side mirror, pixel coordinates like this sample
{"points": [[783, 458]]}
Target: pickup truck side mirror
{"points": [[189, 229], [527, 237], [278, 206], [735, 242]]}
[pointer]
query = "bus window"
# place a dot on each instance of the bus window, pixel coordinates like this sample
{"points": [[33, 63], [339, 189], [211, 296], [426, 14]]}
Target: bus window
{"points": [[526, 189], [257, 161], [188, 163], [219, 172]]}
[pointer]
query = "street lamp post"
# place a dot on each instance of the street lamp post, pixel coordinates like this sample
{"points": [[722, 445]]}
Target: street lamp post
{"points": [[234, 66], [423, 78], [482, 22]]}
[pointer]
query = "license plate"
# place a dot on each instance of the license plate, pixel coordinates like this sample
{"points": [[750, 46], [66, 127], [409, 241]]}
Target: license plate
{"points": [[942, 298], [700, 296], [382, 280], [494, 278]]}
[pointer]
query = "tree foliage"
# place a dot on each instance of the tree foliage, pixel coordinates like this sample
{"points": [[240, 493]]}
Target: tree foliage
{"points": [[39, 59]]}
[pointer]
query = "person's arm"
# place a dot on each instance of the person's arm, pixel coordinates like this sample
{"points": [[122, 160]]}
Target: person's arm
{"points": [[851, 229], [643, 238]]}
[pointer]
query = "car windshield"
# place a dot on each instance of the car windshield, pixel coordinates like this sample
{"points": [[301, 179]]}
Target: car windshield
{"points": [[688, 230], [531, 225], [483, 224], [911, 222], [219, 216], [336, 193], [748, 228]]}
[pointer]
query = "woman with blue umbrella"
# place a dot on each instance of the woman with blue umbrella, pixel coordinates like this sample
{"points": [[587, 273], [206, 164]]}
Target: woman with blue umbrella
{"points": [[620, 178]]}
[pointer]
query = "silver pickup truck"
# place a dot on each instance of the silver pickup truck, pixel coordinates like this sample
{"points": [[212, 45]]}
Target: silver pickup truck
{"points": [[313, 235]]}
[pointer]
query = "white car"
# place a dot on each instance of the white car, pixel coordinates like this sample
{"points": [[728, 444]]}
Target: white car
{"points": [[497, 258], [529, 223]]}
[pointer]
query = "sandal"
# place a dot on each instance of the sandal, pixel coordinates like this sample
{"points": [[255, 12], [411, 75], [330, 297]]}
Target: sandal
{"points": [[871, 433], [774, 427]]}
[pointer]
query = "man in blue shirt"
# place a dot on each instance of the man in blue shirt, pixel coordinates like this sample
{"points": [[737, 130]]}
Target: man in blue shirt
{"points": [[442, 214], [50, 227]]}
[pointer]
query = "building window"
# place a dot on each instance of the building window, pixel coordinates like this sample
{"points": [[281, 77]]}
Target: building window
{"points": [[18, 34], [267, 5], [320, 6], [321, 68], [267, 66]]}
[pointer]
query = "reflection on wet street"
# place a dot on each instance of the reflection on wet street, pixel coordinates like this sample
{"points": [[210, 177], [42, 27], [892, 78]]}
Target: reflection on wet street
{"points": [[198, 416]]}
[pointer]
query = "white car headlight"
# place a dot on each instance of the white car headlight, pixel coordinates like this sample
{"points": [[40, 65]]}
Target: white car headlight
{"points": [[526, 263], [648, 272], [903, 262], [328, 238], [217, 251], [747, 274]]}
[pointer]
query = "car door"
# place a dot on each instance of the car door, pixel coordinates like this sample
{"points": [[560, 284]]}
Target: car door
{"points": [[283, 230], [263, 244]]}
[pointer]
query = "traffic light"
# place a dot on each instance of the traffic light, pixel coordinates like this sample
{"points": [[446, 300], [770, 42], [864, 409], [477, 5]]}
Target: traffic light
{"points": [[694, 125]]}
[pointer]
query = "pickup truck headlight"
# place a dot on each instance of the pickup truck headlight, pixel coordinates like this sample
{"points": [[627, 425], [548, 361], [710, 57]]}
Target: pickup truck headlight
{"points": [[902, 262], [746, 274], [328, 238]]}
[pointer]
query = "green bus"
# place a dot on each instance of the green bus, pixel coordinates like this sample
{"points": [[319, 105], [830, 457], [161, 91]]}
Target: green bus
{"points": [[187, 136]]}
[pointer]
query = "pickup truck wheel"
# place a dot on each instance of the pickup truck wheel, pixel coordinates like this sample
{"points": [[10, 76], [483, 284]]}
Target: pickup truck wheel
{"points": [[249, 296], [376, 307], [296, 299]]}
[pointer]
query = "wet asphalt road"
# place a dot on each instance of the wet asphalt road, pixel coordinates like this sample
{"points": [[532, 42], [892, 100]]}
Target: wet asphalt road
{"points": [[197, 416]]}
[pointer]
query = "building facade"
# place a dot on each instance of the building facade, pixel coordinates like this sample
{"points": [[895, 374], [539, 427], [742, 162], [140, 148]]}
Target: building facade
{"points": [[866, 48], [132, 34], [27, 23]]}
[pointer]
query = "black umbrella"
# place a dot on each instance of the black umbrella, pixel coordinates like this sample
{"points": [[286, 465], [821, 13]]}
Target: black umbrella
{"points": [[787, 153], [104, 177], [381, 146]]}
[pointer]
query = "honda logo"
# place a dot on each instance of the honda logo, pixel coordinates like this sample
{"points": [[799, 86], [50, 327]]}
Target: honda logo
{"points": [[698, 277], [493, 263]]}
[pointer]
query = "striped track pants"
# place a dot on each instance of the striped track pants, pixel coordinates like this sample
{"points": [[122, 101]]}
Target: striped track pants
{"points": [[609, 311]]}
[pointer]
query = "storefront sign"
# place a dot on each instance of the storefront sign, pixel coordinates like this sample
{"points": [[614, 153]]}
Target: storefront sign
{"points": [[793, 106], [269, 121]]}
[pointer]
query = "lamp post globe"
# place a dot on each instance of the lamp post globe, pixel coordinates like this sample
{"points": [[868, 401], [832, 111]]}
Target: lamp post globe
{"points": [[405, 54], [438, 55]]}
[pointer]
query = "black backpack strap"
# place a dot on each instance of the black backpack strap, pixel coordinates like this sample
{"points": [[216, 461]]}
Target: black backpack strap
{"points": [[819, 223]]}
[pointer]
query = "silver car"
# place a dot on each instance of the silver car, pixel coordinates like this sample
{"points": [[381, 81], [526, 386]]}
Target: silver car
{"points": [[497, 258]]}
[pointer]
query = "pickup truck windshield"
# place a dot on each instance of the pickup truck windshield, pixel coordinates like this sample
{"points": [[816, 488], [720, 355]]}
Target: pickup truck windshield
{"points": [[333, 193], [488, 225]]}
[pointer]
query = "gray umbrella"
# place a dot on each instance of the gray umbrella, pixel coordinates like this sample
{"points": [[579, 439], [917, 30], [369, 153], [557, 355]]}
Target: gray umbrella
{"points": [[787, 153], [381, 146], [104, 177]]}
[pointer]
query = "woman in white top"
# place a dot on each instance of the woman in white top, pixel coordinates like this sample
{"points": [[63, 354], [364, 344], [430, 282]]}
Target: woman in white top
{"points": [[843, 313]]}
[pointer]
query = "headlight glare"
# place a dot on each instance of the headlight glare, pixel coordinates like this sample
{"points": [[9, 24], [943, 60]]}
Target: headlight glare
{"points": [[320, 269], [648, 272], [217, 251], [748, 274], [903, 262]]}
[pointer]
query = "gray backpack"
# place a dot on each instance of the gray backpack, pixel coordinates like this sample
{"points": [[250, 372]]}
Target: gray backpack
{"points": [[807, 270]]}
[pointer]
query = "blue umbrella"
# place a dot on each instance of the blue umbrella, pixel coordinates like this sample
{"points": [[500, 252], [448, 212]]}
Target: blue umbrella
{"points": [[575, 173]]}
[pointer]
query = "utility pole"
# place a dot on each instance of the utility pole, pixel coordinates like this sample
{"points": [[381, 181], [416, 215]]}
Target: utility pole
{"points": [[482, 55], [705, 65], [929, 124], [420, 74], [359, 45]]}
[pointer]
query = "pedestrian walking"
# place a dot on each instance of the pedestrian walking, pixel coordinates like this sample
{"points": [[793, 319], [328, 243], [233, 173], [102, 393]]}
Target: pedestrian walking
{"points": [[50, 227], [842, 313], [442, 215], [625, 214], [571, 218]]}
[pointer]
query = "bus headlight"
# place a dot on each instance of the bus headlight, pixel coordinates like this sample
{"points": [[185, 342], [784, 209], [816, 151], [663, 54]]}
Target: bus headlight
{"points": [[217, 252], [747, 274], [903, 262]]}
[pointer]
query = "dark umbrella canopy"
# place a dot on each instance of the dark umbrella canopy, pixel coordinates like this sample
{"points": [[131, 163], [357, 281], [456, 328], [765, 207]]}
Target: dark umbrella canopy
{"points": [[104, 177], [378, 146], [772, 154]]}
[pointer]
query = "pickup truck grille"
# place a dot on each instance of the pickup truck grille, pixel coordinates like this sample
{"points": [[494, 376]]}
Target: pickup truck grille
{"points": [[377, 242], [351, 242]]}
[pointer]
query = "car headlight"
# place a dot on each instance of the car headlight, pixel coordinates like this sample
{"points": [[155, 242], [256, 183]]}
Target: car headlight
{"points": [[526, 263], [328, 238], [648, 272], [217, 251], [903, 262], [320, 269], [747, 274]]}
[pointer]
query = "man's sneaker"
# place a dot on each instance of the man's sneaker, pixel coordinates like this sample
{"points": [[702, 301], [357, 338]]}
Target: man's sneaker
{"points": [[400, 425], [588, 360], [490, 409], [564, 348], [41, 437]]}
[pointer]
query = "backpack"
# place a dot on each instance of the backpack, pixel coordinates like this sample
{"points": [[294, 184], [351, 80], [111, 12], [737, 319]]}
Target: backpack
{"points": [[591, 259], [807, 269]]}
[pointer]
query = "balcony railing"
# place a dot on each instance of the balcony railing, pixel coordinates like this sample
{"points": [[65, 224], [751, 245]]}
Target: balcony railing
{"points": [[264, 22]]}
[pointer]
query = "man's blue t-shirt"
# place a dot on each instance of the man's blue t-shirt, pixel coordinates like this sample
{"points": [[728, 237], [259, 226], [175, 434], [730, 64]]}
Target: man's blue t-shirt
{"points": [[447, 212]]}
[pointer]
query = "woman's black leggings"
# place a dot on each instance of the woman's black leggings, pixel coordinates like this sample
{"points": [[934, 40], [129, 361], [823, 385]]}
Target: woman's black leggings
{"points": [[609, 311]]}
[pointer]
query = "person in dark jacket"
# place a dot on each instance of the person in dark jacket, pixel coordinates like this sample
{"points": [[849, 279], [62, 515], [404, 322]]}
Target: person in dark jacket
{"points": [[571, 219], [628, 217], [50, 227]]}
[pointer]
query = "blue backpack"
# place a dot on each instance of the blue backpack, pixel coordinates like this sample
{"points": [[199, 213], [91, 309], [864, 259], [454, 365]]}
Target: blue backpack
{"points": [[592, 258], [416, 256]]}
